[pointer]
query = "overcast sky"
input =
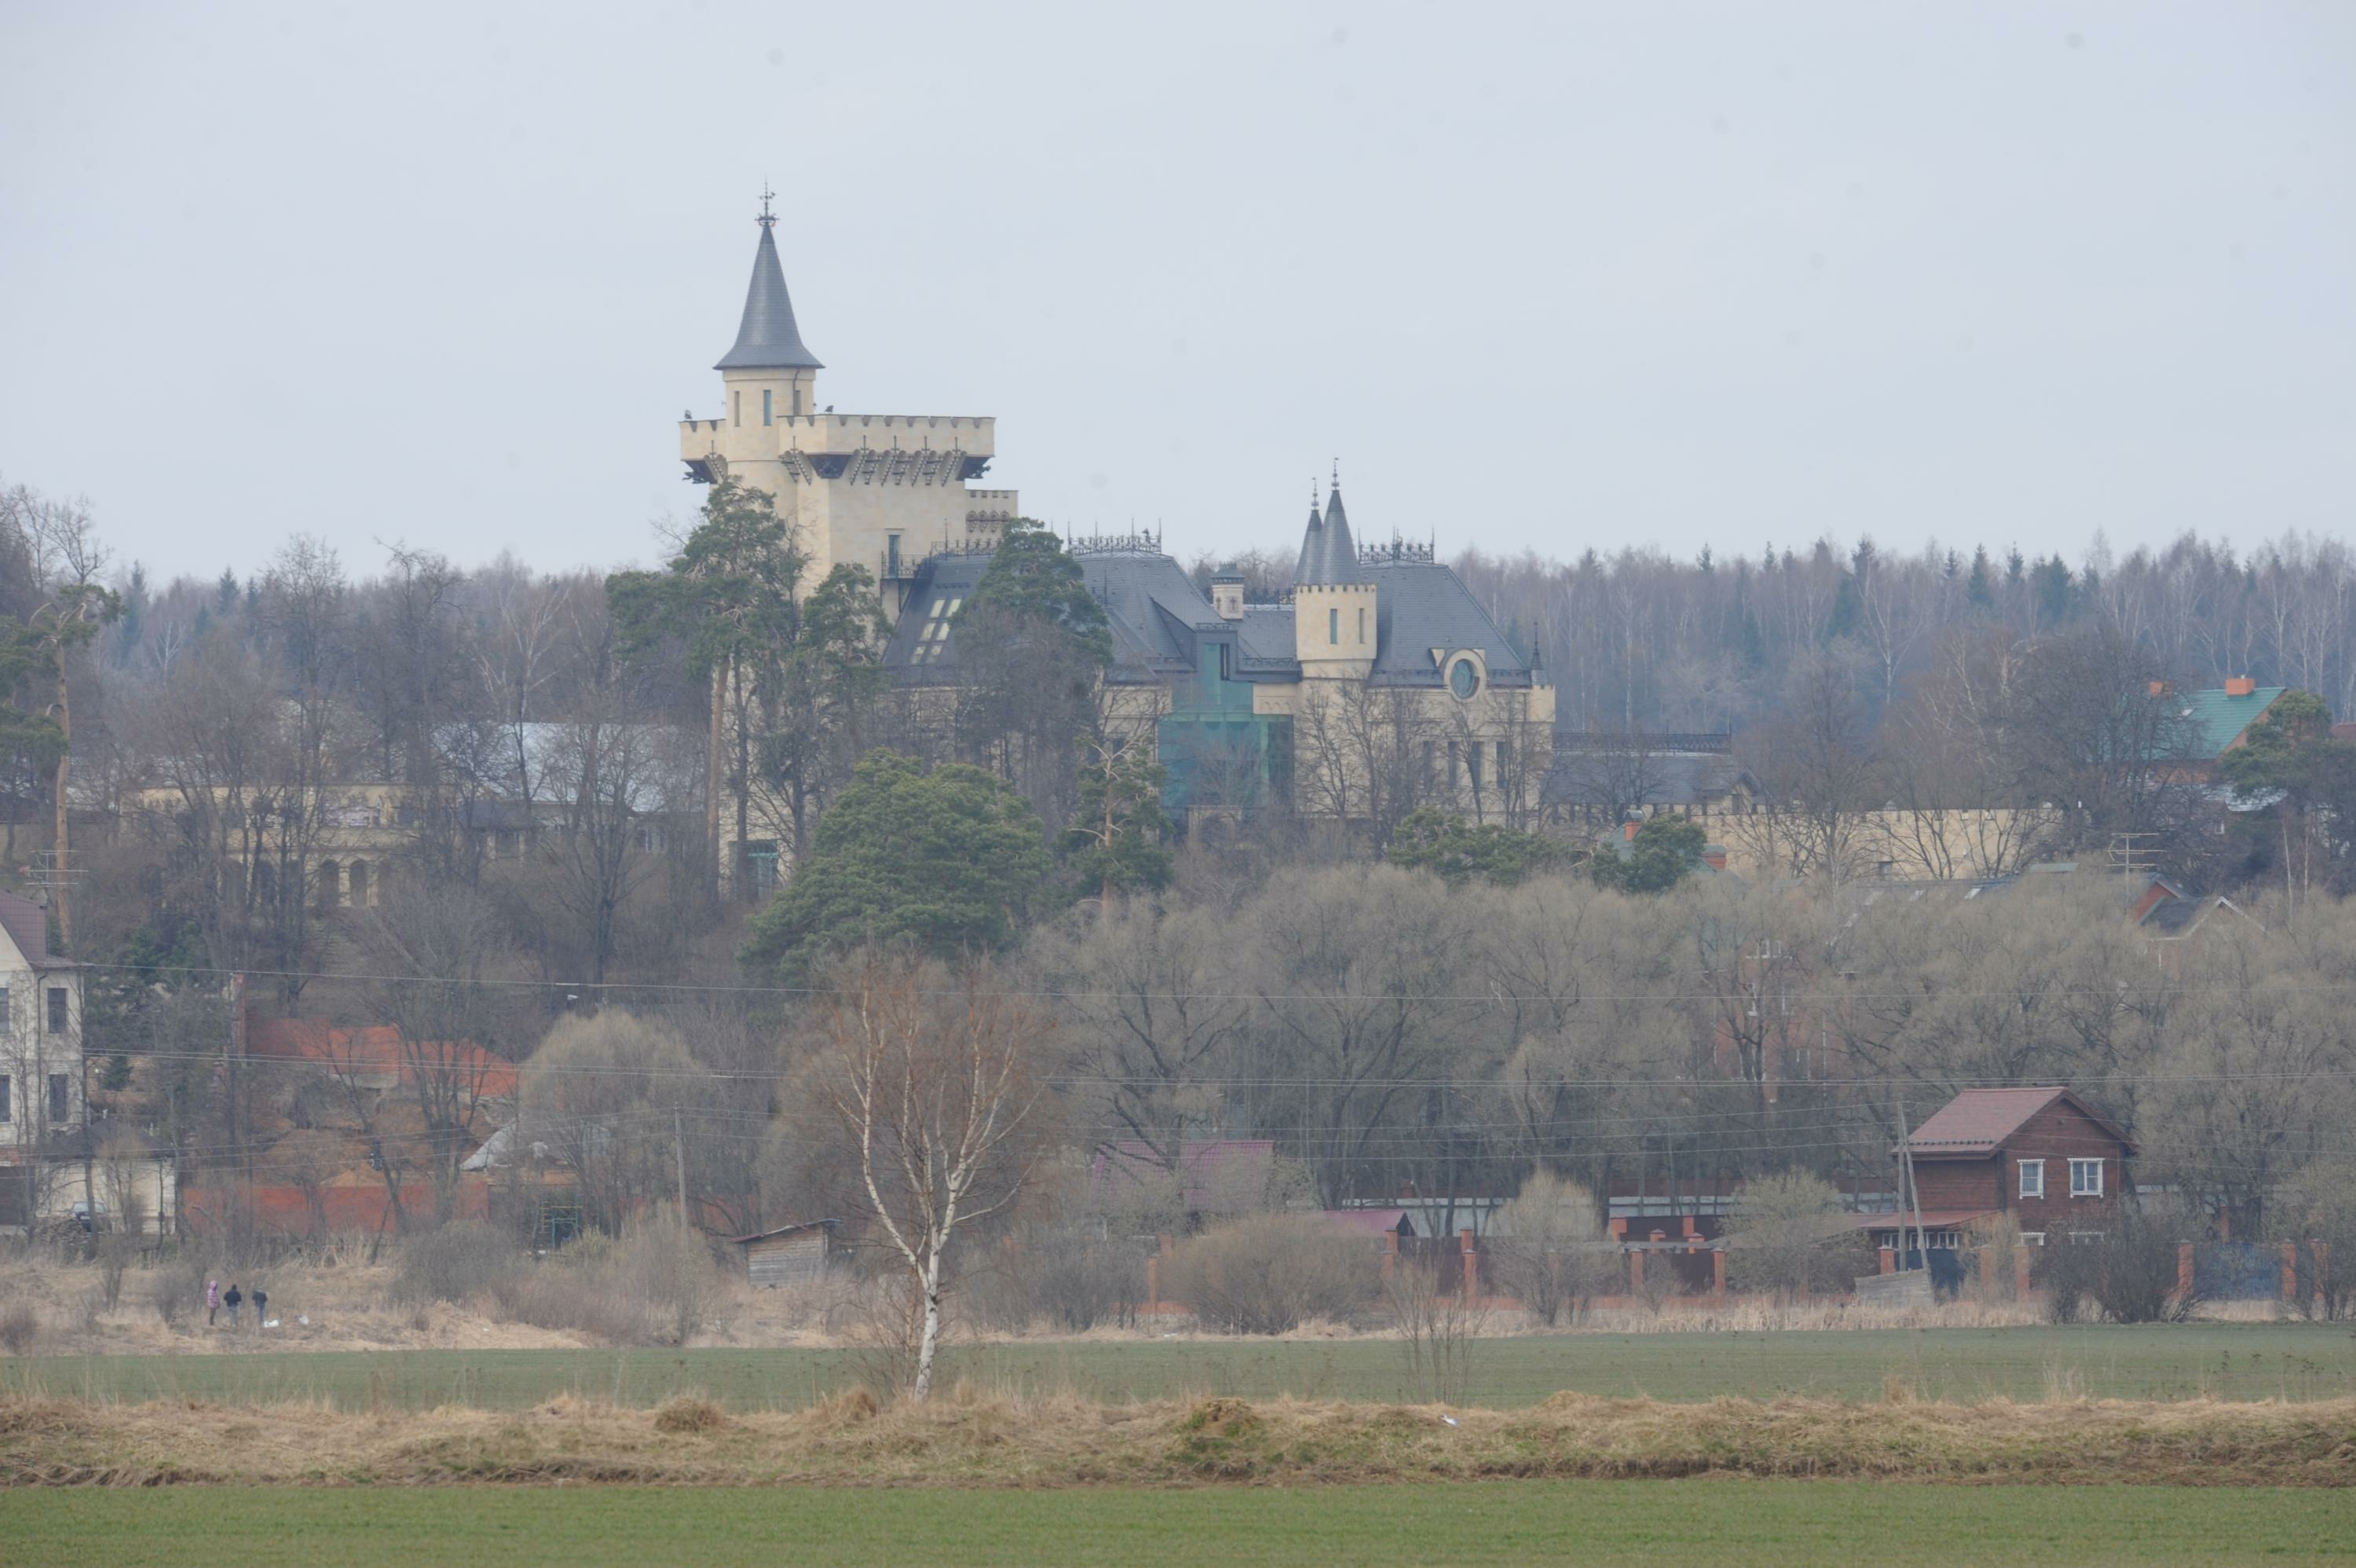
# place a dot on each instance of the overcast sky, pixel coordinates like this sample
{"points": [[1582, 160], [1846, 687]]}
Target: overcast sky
{"points": [[1544, 276]]}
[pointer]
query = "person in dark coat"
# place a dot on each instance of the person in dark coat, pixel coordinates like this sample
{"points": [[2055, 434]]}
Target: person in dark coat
{"points": [[233, 1299], [260, 1306]]}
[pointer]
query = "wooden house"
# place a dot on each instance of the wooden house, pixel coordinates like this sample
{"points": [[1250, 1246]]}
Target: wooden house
{"points": [[792, 1254]]}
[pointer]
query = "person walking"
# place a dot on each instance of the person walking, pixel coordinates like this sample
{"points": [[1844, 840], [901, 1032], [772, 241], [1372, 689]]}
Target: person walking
{"points": [[212, 1301], [260, 1307], [233, 1300]]}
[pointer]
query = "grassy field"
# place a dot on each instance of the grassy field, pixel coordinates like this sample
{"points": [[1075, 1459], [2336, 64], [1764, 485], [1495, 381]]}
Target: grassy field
{"points": [[2235, 1361], [1496, 1525]]}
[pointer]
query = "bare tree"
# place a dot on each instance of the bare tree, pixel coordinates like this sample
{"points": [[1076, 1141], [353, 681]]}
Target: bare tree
{"points": [[933, 1081]]}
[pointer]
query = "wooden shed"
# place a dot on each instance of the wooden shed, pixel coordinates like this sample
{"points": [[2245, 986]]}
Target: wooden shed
{"points": [[791, 1255]]}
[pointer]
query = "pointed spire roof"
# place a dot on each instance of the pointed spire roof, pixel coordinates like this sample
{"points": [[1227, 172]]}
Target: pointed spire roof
{"points": [[1338, 551], [1312, 543], [768, 340]]}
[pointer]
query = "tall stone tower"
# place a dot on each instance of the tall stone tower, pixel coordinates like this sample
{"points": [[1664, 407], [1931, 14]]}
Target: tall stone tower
{"points": [[879, 491], [1334, 631]]}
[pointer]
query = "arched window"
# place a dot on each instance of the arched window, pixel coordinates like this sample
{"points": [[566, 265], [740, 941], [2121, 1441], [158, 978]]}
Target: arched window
{"points": [[356, 876], [331, 884]]}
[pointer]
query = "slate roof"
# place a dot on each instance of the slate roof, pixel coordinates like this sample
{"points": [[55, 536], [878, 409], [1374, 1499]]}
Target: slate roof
{"points": [[767, 338], [2214, 721], [1152, 607], [1978, 1121], [1669, 778], [1421, 605], [29, 927]]}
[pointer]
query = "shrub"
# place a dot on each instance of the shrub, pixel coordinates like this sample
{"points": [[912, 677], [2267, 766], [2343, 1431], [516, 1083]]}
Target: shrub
{"points": [[20, 1326], [653, 1286], [1266, 1274], [1551, 1252], [1791, 1237], [177, 1288], [2128, 1273], [456, 1262]]}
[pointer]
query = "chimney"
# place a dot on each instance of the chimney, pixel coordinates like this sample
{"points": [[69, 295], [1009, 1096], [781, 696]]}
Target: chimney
{"points": [[1714, 856], [1227, 595], [1629, 829], [2158, 688], [2240, 686]]}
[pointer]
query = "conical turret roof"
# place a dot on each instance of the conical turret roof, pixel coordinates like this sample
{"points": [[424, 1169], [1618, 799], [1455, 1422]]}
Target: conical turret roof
{"points": [[1338, 551], [768, 340], [1313, 547]]}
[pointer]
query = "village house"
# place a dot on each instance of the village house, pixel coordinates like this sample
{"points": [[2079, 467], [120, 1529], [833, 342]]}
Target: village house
{"points": [[57, 1165], [2041, 1158]]}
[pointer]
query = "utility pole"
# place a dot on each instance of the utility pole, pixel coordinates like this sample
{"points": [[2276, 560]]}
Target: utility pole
{"points": [[679, 1155], [1906, 1152]]}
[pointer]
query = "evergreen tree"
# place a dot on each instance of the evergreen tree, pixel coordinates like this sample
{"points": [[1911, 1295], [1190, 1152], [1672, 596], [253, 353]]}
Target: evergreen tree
{"points": [[1980, 592]]}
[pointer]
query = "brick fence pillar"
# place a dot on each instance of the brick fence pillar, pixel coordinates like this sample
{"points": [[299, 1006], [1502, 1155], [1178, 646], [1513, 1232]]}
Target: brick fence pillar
{"points": [[2321, 1253], [1988, 1274], [2184, 1268], [1717, 1272], [1390, 1256], [2020, 1272], [1636, 1272], [1153, 1285], [1889, 1260], [1472, 1275], [2290, 1271]]}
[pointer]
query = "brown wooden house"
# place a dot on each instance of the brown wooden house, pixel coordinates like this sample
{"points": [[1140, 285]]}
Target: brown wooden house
{"points": [[791, 1255], [2041, 1155]]}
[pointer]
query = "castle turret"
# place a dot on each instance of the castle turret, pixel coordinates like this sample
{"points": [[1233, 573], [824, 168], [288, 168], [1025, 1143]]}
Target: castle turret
{"points": [[876, 491], [1334, 629], [769, 372]]}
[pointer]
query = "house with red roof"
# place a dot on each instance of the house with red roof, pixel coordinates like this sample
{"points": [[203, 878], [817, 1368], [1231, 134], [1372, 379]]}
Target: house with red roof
{"points": [[2040, 1156]]}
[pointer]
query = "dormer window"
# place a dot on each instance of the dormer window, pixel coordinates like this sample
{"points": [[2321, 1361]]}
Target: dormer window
{"points": [[767, 395], [1334, 627], [1463, 678]]}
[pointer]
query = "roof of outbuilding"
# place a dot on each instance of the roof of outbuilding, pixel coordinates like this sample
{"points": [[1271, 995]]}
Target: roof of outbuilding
{"points": [[767, 338], [2213, 719], [1978, 1121]]}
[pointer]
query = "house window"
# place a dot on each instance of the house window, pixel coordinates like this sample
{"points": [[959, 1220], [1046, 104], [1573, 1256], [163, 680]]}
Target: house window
{"points": [[1362, 624], [2032, 1178], [1334, 627], [797, 401], [1473, 763], [59, 1083], [891, 555], [736, 409], [765, 396], [1505, 762], [57, 1009], [7, 1019], [2085, 1179], [5, 1110], [2032, 1238]]}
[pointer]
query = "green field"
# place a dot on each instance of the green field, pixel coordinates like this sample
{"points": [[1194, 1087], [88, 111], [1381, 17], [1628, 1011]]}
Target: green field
{"points": [[1493, 1524], [2237, 1361]]}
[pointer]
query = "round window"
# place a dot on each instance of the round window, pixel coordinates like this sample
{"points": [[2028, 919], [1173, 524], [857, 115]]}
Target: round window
{"points": [[1463, 678]]}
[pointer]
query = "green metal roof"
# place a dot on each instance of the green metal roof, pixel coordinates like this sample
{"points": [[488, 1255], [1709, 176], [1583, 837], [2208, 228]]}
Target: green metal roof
{"points": [[2215, 721]]}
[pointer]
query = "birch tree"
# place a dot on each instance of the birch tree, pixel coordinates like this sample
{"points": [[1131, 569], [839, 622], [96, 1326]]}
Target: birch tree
{"points": [[932, 1080]]}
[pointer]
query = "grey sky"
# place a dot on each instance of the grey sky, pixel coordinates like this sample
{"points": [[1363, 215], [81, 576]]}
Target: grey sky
{"points": [[1542, 277]]}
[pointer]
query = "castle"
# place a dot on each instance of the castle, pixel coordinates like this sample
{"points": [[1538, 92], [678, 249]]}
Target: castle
{"points": [[1377, 684]]}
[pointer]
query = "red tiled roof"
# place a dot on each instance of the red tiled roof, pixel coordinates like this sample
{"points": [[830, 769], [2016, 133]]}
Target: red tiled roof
{"points": [[1977, 1121]]}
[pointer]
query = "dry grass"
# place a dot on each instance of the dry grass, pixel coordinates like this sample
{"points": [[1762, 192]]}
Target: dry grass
{"points": [[979, 1439]]}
